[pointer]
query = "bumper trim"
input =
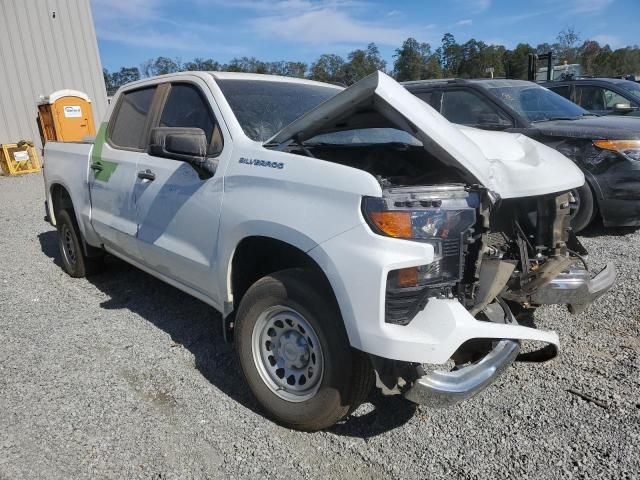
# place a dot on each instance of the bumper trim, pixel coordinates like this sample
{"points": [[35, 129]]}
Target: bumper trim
{"points": [[443, 389], [576, 288]]}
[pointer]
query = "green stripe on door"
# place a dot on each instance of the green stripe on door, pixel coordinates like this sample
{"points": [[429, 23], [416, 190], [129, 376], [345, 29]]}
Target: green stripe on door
{"points": [[96, 156]]}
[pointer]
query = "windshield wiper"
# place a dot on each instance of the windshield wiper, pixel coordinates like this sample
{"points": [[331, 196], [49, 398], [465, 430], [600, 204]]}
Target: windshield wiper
{"points": [[550, 119]]}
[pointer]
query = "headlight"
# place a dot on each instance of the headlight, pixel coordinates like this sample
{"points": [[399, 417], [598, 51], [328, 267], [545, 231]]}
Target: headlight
{"points": [[429, 221], [629, 148]]}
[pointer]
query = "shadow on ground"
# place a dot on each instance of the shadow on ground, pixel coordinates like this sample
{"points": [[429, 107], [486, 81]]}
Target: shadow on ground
{"points": [[198, 327]]}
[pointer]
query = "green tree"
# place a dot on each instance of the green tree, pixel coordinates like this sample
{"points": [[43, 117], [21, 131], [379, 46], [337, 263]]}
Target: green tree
{"points": [[567, 47], [115, 80], [160, 66], [451, 55], [414, 61], [516, 61], [361, 63], [328, 68], [201, 64]]}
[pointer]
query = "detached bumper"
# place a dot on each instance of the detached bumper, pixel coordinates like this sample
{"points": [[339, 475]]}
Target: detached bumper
{"points": [[443, 389], [576, 288]]}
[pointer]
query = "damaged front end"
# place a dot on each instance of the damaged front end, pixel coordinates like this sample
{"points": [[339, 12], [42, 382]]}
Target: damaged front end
{"points": [[483, 238], [500, 259]]}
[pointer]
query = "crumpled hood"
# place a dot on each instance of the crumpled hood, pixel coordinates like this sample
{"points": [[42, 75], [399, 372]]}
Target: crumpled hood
{"points": [[518, 166], [509, 164]]}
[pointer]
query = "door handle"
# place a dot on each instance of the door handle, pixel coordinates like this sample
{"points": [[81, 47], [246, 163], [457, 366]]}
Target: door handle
{"points": [[147, 175], [97, 167]]}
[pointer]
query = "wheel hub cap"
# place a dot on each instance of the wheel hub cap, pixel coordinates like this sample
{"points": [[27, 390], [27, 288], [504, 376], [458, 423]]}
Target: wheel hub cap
{"points": [[287, 354]]}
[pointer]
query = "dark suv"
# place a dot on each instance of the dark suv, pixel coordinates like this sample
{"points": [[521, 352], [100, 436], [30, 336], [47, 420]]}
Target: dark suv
{"points": [[607, 149], [604, 96]]}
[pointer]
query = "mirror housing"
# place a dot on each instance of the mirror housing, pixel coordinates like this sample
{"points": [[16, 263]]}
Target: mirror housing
{"points": [[624, 108], [187, 145], [492, 120]]}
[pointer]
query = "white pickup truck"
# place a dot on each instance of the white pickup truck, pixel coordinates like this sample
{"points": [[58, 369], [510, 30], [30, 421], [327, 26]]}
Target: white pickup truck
{"points": [[348, 236]]}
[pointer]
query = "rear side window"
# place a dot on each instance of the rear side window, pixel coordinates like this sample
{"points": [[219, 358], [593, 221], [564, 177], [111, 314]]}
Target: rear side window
{"points": [[186, 107], [130, 118], [425, 97], [563, 90], [468, 108]]}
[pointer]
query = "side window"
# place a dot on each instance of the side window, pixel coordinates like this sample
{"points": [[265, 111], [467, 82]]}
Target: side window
{"points": [[564, 90], [591, 97], [425, 97], [127, 127], [186, 107], [612, 98], [468, 108]]}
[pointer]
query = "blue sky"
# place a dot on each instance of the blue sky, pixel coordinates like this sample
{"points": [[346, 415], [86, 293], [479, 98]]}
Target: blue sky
{"points": [[131, 31]]}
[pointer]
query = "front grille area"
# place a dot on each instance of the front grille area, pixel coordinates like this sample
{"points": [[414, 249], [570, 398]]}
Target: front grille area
{"points": [[402, 304]]}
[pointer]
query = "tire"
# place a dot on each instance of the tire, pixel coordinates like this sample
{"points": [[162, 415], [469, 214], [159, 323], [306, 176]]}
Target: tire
{"points": [[295, 354], [584, 210], [74, 260]]}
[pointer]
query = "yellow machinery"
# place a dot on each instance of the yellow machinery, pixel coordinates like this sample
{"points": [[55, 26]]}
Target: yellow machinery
{"points": [[19, 158], [65, 116]]}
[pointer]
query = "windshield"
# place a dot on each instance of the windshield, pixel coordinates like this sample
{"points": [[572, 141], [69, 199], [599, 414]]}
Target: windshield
{"points": [[633, 88], [265, 107], [364, 136], [534, 102]]}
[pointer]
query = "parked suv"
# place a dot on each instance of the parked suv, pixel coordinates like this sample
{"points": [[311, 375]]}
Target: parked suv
{"points": [[603, 96], [607, 149]]}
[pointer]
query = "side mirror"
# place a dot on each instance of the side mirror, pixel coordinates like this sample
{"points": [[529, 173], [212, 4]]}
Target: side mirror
{"points": [[491, 120], [188, 145], [624, 108]]}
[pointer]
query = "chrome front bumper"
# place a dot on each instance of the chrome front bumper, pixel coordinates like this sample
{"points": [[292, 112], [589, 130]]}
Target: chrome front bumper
{"points": [[575, 288], [442, 389]]}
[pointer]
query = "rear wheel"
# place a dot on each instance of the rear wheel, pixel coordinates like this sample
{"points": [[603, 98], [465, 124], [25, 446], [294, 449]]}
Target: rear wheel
{"points": [[582, 208], [74, 260], [295, 354]]}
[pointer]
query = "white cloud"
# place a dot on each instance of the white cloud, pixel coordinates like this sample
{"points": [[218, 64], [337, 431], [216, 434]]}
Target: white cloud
{"points": [[474, 6], [464, 23], [328, 26], [590, 6], [611, 40]]}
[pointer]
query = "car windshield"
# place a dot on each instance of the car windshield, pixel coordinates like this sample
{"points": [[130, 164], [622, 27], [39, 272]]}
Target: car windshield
{"points": [[265, 107], [533, 101], [633, 88], [365, 136]]}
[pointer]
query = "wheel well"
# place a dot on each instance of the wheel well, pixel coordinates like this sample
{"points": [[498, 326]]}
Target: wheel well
{"points": [[60, 199], [256, 257]]}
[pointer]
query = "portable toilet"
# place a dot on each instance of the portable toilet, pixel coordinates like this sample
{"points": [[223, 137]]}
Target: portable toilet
{"points": [[65, 116]]}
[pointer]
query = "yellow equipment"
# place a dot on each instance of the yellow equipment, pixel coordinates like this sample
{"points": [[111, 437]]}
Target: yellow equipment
{"points": [[65, 116], [19, 158]]}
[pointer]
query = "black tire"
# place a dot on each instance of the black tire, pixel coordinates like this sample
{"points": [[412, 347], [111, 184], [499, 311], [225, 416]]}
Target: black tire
{"points": [[74, 260], [584, 211], [346, 377]]}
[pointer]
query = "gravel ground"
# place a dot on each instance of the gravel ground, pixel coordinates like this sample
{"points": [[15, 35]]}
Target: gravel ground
{"points": [[122, 376]]}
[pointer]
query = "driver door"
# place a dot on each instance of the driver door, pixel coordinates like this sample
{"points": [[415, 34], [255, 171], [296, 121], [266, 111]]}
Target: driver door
{"points": [[177, 211]]}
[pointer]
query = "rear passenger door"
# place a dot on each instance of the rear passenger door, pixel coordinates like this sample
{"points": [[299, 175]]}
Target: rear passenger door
{"points": [[113, 166], [178, 212]]}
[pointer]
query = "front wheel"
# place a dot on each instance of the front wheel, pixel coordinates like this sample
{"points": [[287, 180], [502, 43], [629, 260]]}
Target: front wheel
{"points": [[582, 208], [295, 354]]}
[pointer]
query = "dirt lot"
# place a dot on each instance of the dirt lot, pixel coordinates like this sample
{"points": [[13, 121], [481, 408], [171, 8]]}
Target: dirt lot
{"points": [[122, 376]]}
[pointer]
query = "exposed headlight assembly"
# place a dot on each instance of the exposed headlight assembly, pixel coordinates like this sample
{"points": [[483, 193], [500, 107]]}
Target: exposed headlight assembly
{"points": [[442, 216], [629, 148]]}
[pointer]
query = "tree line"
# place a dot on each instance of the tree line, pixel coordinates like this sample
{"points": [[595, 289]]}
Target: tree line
{"points": [[413, 60]]}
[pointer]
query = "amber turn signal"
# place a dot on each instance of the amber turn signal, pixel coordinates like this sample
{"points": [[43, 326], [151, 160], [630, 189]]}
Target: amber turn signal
{"points": [[408, 277], [394, 224], [617, 145]]}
